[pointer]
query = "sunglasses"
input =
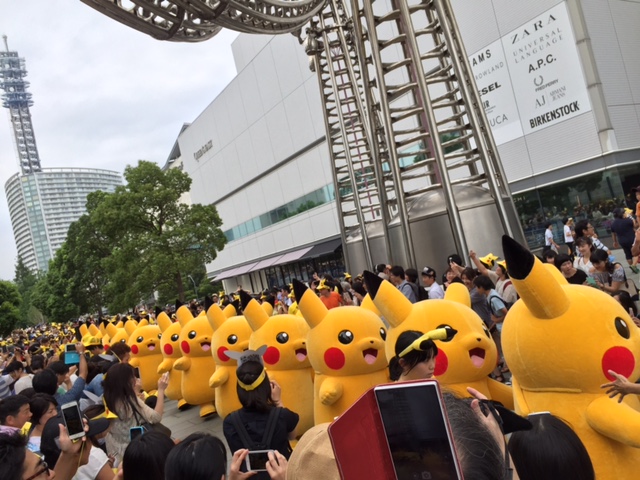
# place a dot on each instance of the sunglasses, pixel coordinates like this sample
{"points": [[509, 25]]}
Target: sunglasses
{"points": [[44, 469]]}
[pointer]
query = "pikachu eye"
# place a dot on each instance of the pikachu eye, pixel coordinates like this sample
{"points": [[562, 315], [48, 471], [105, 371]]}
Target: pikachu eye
{"points": [[232, 339], [175, 337], [383, 333], [486, 330], [139, 339], [622, 328], [159, 336], [192, 334], [282, 337], [345, 336]]}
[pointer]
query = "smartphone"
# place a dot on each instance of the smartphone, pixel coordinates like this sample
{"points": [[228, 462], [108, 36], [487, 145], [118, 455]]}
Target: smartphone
{"points": [[591, 282], [256, 460], [417, 430], [71, 355], [136, 372], [135, 432], [73, 420]]}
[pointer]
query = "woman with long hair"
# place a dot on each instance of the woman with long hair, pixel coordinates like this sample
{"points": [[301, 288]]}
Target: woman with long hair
{"points": [[43, 407], [120, 398], [584, 247], [415, 357], [608, 276]]}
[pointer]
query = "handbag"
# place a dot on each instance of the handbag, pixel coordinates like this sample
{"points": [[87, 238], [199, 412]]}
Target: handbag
{"points": [[152, 427]]}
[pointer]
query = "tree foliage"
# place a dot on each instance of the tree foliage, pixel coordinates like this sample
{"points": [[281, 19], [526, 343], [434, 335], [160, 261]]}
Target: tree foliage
{"points": [[10, 302], [25, 280]]}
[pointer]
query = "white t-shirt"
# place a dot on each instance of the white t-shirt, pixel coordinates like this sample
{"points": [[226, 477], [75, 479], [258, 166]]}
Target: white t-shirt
{"points": [[568, 238], [97, 460], [435, 291], [23, 383], [548, 237]]}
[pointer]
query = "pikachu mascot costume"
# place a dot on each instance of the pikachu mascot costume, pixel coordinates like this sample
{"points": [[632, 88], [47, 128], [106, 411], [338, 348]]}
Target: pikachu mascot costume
{"points": [[286, 356], [346, 350], [464, 361], [170, 346], [196, 363], [560, 341], [229, 335], [146, 354], [120, 334]]}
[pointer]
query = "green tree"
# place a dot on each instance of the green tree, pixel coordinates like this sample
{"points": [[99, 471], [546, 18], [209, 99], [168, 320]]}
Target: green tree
{"points": [[52, 292], [154, 239], [25, 281], [9, 307]]}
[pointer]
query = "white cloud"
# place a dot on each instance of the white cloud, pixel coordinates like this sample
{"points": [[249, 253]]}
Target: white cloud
{"points": [[105, 95]]}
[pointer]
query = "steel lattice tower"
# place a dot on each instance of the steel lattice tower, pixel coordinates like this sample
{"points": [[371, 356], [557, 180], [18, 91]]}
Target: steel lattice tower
{"points": [[18, 100]]}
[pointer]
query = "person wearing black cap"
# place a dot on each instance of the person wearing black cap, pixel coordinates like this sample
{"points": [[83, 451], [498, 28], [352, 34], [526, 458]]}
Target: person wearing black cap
{"points": [[429, 280]]}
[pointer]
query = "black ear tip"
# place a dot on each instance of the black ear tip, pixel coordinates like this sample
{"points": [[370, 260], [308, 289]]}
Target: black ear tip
{"points": [[298, 289], [373, 282], [245, 298], [178, 304], [207, 302], [158, 311], [236, 304], [519, 260]]}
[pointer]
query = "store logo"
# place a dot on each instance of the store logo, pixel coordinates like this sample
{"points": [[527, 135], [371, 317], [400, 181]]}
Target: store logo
{"points": [[204, 149], [531, 29], [481, 57]]}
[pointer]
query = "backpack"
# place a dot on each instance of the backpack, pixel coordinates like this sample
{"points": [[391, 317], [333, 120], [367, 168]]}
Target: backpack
{"points": [[504, 287], [265, 443], [422, 294], [492, 296]]}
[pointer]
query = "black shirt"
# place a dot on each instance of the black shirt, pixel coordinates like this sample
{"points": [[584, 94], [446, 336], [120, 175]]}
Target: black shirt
{"points": [[578, 278], [255, 423]]}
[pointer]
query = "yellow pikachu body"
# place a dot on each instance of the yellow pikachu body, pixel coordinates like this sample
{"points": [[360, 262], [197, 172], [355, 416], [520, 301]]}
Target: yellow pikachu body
{"points": [[196, 363], [286, 357], [146, 354], [560, 340], [170, 347], [464, 361], [229, 334], [346, 351]]}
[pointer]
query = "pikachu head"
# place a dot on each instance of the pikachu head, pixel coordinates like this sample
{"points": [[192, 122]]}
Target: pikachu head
{"points": [[229, 334]]}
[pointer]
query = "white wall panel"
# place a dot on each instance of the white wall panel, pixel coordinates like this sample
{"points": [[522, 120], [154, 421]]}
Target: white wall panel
{"points": [[515, 159], [299, 122], [250, 95], [281, 141], [315, 106], [626, 16], [626, 125], [268, 82], [511, 15], [566, 142], [469, 16], [287, 57]]}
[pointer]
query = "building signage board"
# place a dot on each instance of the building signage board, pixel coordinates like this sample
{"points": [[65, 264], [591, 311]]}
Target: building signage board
{"points": [[541, 80]]}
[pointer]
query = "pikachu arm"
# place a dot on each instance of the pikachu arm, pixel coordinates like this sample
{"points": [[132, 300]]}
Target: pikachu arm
{"points": [[520, 404], [614, 420], [134, 362], [501, 392], [219, 378], [182, 364], [166, 365], [330, 391]]}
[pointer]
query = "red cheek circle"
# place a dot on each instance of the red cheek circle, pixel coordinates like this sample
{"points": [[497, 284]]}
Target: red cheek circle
{"points": [[334, 358], [134, 349], [271, 356], [442, 364], [106, 347], [168, 349], [222, 355], [620, 360], [185, 346]]}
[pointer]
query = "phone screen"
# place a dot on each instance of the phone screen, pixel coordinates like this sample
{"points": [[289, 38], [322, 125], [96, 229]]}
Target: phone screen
{"points": [[135, 432], [257, 460], [70, 347], [73, 420], [71, 358], [136, 372], [417, 433]]}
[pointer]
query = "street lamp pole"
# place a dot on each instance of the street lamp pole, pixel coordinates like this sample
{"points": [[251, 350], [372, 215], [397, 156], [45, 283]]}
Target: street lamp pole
{"points": [[194, 284]]}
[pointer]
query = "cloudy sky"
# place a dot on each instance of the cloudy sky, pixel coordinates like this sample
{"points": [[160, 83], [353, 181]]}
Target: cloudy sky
{"points": [[105, 95]]}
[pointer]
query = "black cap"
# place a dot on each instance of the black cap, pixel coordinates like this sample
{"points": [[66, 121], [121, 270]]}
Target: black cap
{"points": [[428, 271], [455, 258], [635, 189]]}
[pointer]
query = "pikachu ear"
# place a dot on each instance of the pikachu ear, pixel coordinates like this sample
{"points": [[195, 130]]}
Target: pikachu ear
{"points": [[111, 330], [163, 321], [216, 317], [84, 330], [312, 308], [253, 312], [369, 305], [93, 330], [537, 286], [230, 310], [457, 292], [143, 323], [393, 305], [268, 308], [130, 326], [183, 314], [556, 273]]}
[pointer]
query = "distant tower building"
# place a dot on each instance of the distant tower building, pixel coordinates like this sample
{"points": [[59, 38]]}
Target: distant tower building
{"points": [[18, 100], [42, 203]]}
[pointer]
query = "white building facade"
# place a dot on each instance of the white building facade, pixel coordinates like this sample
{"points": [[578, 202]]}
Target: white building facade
{"points": [[560, 83], [43, 204]]}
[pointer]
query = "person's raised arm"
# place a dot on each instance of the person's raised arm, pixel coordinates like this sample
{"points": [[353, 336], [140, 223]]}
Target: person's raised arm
{"points": [[163, 382], [620, 386], [83, 368], [479, 265]]}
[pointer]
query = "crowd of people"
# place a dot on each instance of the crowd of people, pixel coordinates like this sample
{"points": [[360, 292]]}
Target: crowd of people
{"points": [[40, 375]]}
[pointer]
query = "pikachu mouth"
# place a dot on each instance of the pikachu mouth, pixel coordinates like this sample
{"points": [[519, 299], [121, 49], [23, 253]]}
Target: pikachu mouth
{"points": [[301, 354], [206, 346], [151, 346], [477, 357], [370, 355]]}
